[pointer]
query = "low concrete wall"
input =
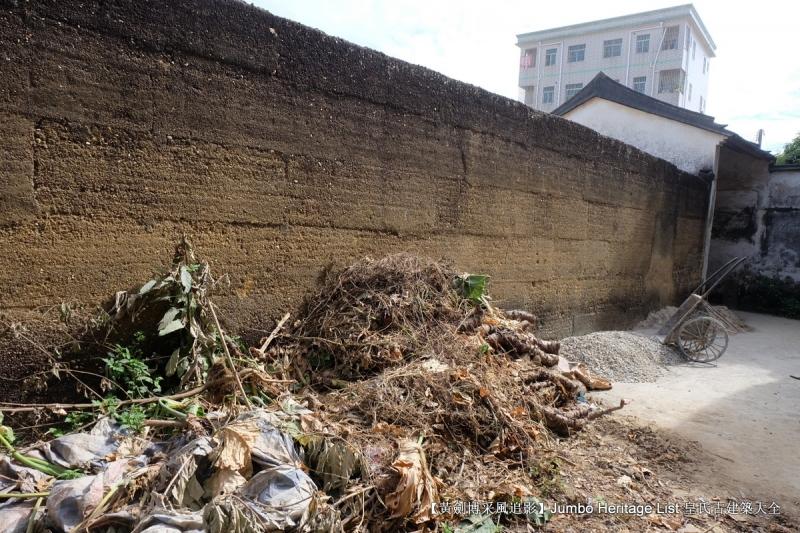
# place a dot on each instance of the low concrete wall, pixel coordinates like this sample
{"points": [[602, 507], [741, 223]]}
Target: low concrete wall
{"points": [[280, 150]]}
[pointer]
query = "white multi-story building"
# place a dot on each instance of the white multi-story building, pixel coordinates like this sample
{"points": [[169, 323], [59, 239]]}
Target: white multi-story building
{"points": [[664, 53]]}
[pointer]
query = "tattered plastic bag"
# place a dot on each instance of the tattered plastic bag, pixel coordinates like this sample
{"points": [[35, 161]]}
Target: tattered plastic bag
{"points": [[284, 490], [165, 521], [275, 499], [78, 450], [268, 445], [204, 484], [14, 516], [71, 501], [177, 482], [19, 478]]}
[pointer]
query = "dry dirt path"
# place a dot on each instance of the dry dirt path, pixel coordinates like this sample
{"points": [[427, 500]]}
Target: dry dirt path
{"points": [[745, 411]]}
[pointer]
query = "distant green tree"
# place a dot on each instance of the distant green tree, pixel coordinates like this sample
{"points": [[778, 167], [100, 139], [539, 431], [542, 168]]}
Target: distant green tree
{"points": [[790, 154]]}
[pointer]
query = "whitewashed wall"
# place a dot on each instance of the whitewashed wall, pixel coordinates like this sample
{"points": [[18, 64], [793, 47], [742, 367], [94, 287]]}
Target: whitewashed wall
{"points": [[687, 147]]}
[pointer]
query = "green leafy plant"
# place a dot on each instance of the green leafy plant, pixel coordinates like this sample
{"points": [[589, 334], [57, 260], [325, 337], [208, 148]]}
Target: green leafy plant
{"points": [[472, 286], [78, 419], [108, 406], [132, 418], [56, 432], [126, 367], [7, 439], [180, 298]]}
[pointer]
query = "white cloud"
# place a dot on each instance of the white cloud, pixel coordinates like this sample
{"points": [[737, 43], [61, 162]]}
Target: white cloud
{"points": [[754, 80]]}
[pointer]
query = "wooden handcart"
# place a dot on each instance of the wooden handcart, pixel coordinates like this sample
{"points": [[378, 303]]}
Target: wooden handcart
{"points": [[696, 329]]}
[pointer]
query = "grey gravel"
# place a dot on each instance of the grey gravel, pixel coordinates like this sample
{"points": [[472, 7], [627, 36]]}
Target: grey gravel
{"points": [[620, 355]]}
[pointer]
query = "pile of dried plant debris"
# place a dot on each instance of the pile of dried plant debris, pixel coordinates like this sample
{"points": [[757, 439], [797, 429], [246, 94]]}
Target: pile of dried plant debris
{"points": [[400, 387]]}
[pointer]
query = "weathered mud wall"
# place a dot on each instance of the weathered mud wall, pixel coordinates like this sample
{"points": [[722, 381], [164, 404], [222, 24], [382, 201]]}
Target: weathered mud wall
{"points": [[758, 217], [280, 150], [780, 246], [743, 199]]}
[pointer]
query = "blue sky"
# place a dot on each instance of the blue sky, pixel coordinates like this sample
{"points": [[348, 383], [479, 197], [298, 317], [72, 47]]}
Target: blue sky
{"points": [[754, 80]]}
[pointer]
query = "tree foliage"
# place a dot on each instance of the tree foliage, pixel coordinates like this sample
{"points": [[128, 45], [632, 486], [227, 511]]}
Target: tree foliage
{"points": [[790, 154]]}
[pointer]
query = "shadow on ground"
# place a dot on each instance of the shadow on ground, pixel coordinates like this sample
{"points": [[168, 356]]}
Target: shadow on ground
{"points": [[743, 411]]}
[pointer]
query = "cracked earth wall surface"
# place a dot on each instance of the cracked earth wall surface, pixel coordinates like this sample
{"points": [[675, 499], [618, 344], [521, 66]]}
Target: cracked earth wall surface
{"points": [[280, 150]]}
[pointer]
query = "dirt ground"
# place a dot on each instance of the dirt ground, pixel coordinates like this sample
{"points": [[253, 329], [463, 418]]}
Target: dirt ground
{"points": [[621, 461], [743, 412]]}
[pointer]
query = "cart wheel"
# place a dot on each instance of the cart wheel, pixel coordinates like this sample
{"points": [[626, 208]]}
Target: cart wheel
{"points": [[702, 339]]}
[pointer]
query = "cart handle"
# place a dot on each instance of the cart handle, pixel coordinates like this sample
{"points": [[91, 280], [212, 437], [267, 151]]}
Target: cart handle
{"points": [[721, 273], [717, 271]]}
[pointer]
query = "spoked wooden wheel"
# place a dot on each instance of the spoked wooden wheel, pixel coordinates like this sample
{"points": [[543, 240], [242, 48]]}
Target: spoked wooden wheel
{"points": [[702, 339]]}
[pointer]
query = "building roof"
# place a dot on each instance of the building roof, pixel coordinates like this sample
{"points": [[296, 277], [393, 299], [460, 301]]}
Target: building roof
{"points": [[637, 19], [734, 142], [604, 87]]}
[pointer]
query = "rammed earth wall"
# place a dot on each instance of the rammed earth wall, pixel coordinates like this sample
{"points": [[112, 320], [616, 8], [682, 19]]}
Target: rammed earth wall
{"points": [[280, 150]]}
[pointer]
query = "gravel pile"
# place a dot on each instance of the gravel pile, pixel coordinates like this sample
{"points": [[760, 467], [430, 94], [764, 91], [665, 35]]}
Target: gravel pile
{"points": [[620, 355]]}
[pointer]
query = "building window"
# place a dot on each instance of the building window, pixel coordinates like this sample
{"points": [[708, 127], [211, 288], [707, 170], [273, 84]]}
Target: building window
{"points": [[576, 53], [530, 95], [550, 57], [640, 84], [694, 49], [528, 59], [670, 81], [702, 105], [670, 38], [548, 95], [705, 64], [690, 92], [573, 89], [643, 43], [612, 48], [688, 38]]}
